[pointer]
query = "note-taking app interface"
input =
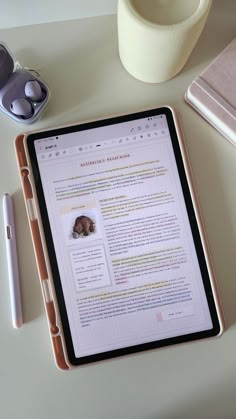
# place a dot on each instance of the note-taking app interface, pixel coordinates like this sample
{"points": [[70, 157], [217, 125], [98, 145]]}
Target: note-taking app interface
{"points": [[125, 252]]}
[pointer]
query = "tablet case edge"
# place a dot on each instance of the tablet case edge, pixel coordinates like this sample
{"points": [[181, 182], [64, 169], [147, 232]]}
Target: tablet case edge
{"points": [[200, 220], [49, 301]]}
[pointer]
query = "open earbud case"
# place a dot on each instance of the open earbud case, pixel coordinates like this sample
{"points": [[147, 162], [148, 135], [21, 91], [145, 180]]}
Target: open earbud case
{"points": [[23, 95]]}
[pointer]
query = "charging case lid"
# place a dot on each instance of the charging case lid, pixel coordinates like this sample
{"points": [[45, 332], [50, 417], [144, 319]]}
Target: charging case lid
{"points": [[6, 65]]}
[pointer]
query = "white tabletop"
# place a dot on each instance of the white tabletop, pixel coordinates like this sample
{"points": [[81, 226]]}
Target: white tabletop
{"points": [[79, 60]]}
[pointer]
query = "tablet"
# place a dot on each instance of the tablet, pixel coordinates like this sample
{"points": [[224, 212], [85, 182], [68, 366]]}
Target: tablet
{"points": [[122, 236]]}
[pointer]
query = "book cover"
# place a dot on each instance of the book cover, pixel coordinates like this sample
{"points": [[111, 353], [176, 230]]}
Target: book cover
{"points": [[213, 93]]}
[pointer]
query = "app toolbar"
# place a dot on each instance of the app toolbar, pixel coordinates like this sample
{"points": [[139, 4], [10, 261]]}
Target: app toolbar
{"points": [[113, 142]]}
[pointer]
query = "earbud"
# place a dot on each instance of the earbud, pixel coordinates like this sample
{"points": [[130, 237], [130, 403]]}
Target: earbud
{"points": [[22, 107], [33, 91]]}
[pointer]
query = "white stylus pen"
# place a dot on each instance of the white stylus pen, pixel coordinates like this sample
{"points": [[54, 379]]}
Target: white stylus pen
{"points": [[12, 261]]}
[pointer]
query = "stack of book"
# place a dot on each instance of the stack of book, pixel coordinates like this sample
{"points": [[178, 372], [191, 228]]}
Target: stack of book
{"points": [[213, 93]]}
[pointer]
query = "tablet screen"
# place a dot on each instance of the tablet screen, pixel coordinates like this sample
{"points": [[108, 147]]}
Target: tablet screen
{"points": [[126, 255]]}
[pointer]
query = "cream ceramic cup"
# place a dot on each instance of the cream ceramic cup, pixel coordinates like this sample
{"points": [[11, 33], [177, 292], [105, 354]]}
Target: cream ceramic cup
{"points": [[156, 37]]}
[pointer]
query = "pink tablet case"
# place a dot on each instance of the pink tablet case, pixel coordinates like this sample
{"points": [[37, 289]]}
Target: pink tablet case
{"points": [[43, 264]]}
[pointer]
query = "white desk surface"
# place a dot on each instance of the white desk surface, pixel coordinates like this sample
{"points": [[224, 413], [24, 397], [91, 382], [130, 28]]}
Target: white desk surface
{"points": [[79, 60]]}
